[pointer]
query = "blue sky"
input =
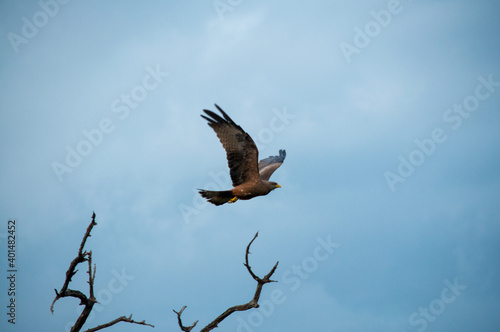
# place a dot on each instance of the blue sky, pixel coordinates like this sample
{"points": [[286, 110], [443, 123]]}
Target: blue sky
{"points": [[388, 215]]}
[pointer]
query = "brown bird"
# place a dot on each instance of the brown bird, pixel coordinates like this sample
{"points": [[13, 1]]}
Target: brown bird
{"points": [[250, 178]]}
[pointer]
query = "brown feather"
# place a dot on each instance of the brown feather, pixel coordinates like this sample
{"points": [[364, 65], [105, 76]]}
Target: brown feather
{"points": [[241, 151]]}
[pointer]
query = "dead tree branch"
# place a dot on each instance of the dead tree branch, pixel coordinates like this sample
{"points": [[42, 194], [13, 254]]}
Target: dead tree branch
{"points": [[89, 301], [119, 319], [80, 258], [242, 307], [184, 328]]}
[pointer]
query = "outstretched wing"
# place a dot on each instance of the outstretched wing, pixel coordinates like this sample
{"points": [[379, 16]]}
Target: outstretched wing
{"points": [[241, 151], [269, 165]]}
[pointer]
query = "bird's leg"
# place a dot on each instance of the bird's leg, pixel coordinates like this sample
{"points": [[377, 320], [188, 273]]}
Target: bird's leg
{"points": [[234, 199]]}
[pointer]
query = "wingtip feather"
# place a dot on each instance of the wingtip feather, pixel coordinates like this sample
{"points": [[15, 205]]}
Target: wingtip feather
{"points": [[283, 153], [228, 119]]}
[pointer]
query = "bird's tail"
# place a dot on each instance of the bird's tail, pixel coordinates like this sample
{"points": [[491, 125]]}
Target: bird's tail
{"points": [[218, 197]]}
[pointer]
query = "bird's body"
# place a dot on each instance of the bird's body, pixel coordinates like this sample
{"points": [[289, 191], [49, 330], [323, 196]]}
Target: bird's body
{"points": [[250, 178], [259, 188]]}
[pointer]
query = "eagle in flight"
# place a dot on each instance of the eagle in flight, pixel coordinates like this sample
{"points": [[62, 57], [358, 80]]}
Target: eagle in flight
{"points": [[250, 177]]}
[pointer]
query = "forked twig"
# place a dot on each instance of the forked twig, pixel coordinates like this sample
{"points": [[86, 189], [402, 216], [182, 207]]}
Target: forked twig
{"points": [[242, 307], [179, 320]]}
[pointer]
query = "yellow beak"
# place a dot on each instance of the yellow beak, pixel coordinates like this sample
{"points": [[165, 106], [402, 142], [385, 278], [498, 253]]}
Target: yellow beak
{"points": [[278, 186]]}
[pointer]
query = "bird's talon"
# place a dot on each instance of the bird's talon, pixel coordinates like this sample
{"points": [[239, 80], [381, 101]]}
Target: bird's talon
{"points": [[234, 199]]}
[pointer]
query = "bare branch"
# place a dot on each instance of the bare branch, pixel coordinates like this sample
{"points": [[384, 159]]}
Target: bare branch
{"points": [[87, 234], [119, 319], [246, 259], [242, 307], [91, 276], [184, 328], [80, 258], [88, 302], [84, 315]]}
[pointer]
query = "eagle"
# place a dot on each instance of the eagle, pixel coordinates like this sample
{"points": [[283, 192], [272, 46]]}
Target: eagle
{"points": [[250, 177]]}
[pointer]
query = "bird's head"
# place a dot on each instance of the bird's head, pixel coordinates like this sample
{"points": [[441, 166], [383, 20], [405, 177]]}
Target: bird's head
{"points": [[273, 185]]}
